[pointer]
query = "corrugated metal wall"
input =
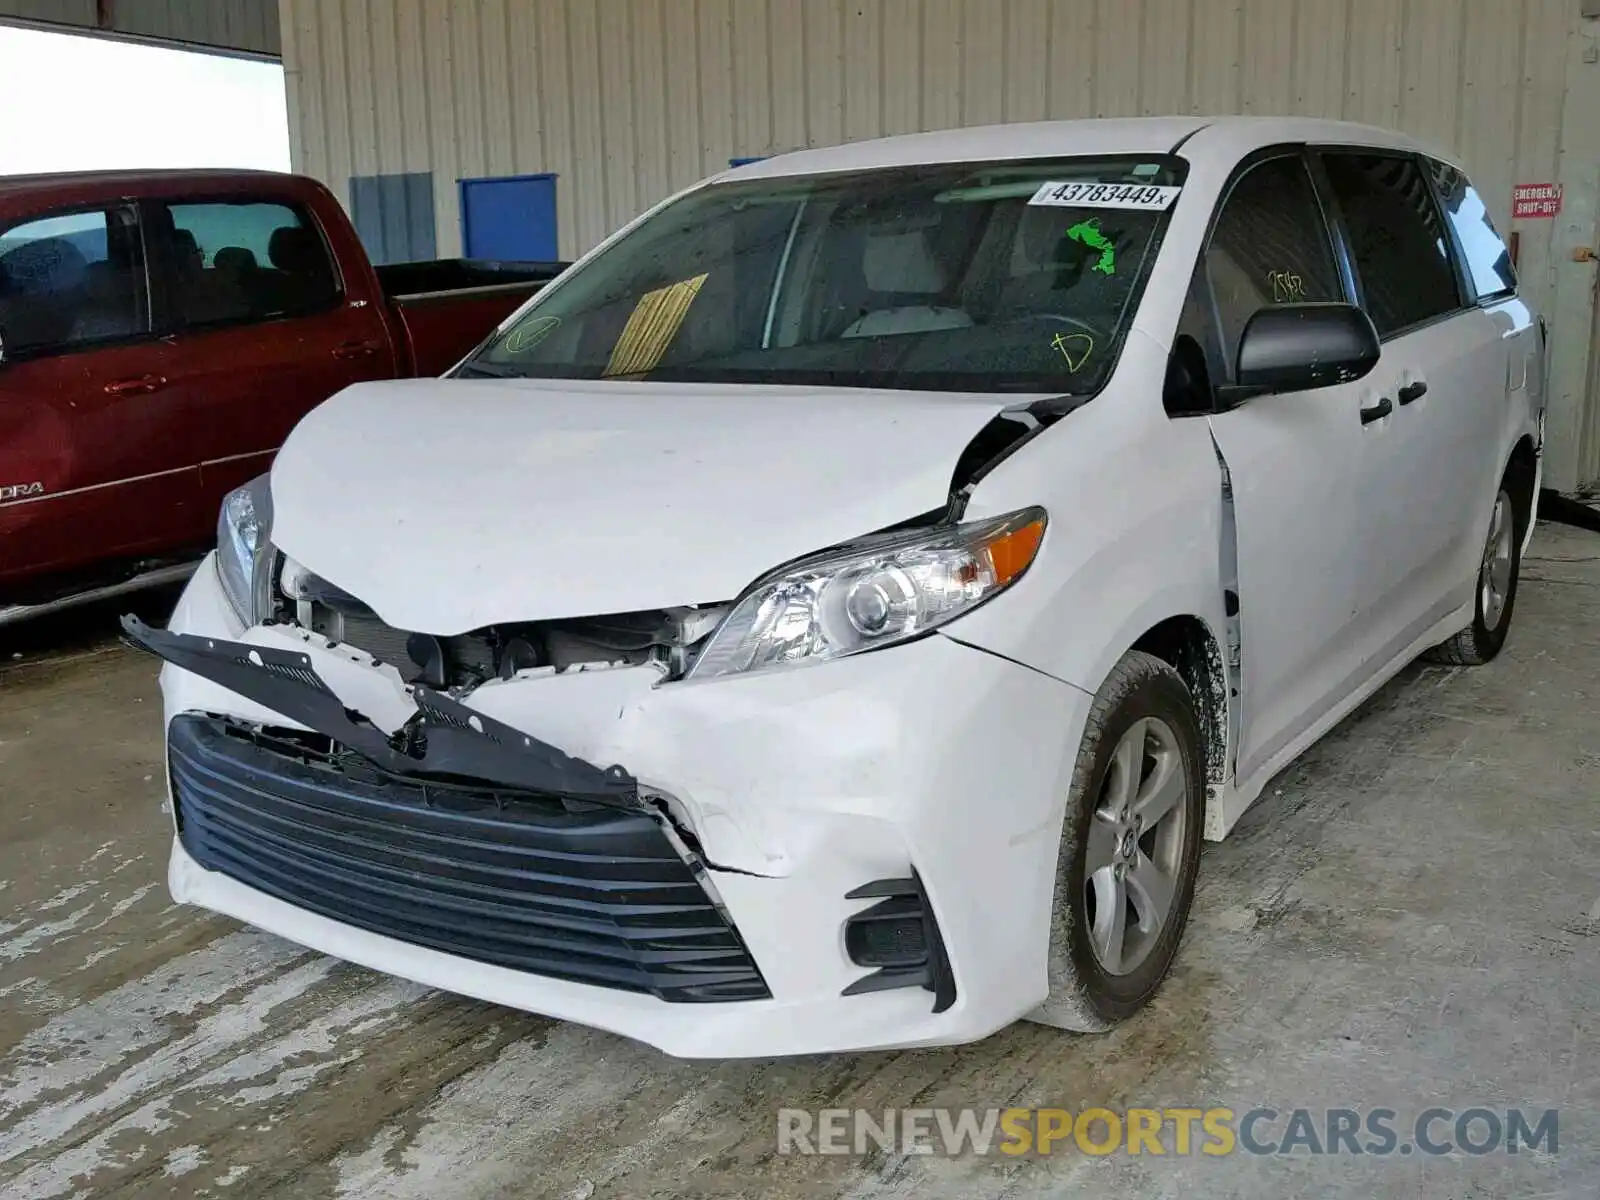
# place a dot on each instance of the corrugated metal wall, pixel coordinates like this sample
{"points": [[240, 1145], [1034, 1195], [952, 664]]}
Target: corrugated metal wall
{"points": [[627, 100], [244, 26], [56, 12], [250, 25], [665, 91]]}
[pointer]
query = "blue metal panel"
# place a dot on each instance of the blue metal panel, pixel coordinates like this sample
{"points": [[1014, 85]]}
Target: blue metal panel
{"points": [[739, 162], [511, 218], [394, 216]]}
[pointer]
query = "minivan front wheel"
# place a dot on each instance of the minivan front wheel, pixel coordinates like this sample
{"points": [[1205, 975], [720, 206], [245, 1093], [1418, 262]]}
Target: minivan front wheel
{"points": [[1130, 848]]}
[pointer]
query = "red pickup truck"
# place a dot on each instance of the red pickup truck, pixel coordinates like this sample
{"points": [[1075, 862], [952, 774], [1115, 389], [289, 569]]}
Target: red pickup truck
{"points": [[161, 333]]}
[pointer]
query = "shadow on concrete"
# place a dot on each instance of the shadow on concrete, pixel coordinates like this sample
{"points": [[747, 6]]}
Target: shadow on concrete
{"points": [[75, 630]]}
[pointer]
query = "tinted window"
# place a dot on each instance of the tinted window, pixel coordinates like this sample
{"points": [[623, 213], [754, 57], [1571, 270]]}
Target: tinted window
{"points": [[1396, 238], [245, 261], [71, 280], [1001, 276], [1270, 246], [1488, 261]]}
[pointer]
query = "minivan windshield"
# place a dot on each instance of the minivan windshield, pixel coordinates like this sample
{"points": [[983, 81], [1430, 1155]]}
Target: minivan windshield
{"points": [[1012, 276]]}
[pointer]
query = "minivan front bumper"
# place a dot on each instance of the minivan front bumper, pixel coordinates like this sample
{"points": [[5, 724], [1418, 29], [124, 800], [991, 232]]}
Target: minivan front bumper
{"points": [[798, 797]]}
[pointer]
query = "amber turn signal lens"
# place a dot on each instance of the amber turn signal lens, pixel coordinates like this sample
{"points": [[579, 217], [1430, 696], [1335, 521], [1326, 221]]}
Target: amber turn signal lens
{"points": [[1012, 552]]}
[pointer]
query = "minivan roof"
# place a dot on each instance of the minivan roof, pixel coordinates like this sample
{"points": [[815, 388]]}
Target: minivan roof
{"points": [[1045, 139]]}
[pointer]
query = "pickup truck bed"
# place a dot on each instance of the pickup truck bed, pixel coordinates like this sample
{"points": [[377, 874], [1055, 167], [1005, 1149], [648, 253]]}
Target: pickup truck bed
{"points": [[162, 332], [447, 306]]}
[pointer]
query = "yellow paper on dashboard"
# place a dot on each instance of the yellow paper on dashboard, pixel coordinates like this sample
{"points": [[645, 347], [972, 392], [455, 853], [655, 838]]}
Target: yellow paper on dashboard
{"points": [[652, 326]]}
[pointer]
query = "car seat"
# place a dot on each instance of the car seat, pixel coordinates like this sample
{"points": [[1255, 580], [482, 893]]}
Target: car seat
{"points": [[901, 264]]}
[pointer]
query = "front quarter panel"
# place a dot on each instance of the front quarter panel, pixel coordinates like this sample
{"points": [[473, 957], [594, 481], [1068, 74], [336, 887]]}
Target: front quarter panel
{"points": [[1135, 531]]}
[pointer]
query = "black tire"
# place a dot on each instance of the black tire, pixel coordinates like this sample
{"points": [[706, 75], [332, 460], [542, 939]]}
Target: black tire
{"points": [[1482, 640], [1084, 996]]}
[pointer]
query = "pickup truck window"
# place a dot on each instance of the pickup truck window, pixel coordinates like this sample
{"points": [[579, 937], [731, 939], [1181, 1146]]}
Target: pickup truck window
{"points": [[1008, 276], [72, 280], [244, 261]]}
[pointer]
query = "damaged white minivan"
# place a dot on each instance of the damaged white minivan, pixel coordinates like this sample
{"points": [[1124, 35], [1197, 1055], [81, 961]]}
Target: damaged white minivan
{"points": [[831, 615]]}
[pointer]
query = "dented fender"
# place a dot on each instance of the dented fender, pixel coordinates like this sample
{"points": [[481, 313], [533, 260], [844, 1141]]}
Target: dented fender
{"points": [[1136, 530]]}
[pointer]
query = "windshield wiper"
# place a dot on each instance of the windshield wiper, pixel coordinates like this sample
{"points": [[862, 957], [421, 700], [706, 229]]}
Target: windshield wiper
{"points": [[485, 370]]}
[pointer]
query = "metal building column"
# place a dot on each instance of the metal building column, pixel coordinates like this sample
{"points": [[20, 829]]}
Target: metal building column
{"points": [[1572, 420]]}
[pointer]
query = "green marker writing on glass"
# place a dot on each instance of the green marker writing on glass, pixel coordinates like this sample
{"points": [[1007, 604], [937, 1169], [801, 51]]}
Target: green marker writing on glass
{"points": [[1088, 232]]}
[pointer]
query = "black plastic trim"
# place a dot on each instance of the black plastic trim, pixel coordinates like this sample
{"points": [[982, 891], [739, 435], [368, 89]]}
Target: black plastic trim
{"points": [[1466, 288], [444, 740], [1184, 140], [899, 899]]}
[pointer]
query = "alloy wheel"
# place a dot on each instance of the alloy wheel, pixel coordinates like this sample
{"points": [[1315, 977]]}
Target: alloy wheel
{"points": [[1494, 575], [1135, 846]]}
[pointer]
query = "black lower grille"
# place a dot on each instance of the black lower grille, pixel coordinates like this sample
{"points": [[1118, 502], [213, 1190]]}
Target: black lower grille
{"points": [[581, 892]]}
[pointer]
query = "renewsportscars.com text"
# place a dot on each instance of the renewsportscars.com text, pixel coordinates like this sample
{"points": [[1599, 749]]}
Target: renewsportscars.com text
{"points": [[1169, 1131]]}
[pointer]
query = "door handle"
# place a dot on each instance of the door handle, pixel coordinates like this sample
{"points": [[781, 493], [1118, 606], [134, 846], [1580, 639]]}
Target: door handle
{"points": [[1377, 412], [357, 349], [137, 386], [1413, 391]]}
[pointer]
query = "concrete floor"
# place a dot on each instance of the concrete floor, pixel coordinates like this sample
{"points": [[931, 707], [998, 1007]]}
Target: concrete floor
{"points": [[1410, 917]]}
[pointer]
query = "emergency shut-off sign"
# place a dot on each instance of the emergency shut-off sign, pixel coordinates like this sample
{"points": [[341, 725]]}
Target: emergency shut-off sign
{"points": [[1536, 200]]}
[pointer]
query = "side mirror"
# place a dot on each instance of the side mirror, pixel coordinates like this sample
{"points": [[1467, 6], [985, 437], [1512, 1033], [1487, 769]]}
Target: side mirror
{"points": [[1300, 347]]}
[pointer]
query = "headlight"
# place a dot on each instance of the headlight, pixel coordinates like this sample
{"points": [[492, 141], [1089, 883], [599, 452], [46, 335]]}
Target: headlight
{"points": [[244, 532], [870, 594]]}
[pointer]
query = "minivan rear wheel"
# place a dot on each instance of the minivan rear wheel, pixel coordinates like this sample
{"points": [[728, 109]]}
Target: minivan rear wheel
{"points": [[1130, 848], [1494, 591]]}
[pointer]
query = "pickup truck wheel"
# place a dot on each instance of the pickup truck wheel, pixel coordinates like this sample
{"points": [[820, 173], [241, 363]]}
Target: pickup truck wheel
{"points": [[1495, 592], [1130, 849]]}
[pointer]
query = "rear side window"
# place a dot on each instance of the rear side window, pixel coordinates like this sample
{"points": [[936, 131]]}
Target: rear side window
{"points": [[1488, 261], [1270, 246], [1397, 239], [230, 261], [70, 281]]}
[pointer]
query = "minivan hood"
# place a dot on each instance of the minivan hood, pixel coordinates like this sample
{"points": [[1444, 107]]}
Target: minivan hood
{"points": [[448, 505]]}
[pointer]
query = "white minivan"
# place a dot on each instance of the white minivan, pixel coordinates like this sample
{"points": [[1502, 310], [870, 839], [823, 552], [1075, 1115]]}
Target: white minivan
{"points": [[832, 613]]}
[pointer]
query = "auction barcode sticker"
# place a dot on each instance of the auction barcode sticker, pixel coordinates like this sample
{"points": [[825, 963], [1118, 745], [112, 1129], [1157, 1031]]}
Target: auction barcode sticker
{"points": [[1089, 194]]}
